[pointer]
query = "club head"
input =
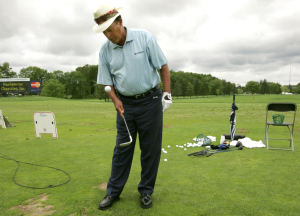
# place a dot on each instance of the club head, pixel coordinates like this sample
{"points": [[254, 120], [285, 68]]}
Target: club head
{"points": [[126, 143]]}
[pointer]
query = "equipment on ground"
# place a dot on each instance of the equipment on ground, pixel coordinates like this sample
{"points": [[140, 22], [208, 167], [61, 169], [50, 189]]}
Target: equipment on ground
{"points": [[217, 149], [238, 144], [4, 122], [236, 136], [7, 123], [204, 140], [227, 142], [203, 152], [224, 145]]}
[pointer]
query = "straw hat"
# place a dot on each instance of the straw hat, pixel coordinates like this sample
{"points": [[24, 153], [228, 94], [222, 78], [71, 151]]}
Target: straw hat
{"points": [[104, 16]]}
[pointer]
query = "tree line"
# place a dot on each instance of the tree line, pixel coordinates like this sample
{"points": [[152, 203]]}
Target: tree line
{"points": [[265, 87], [81, 83]]}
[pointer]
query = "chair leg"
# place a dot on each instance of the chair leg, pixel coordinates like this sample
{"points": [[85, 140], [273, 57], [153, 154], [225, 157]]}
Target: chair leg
{"points": [[292, 141], [267, 136]]}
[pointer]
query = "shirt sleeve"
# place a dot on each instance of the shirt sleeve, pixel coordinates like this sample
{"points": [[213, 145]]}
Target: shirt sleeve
{"points": [[104, 75], [156, 55]]}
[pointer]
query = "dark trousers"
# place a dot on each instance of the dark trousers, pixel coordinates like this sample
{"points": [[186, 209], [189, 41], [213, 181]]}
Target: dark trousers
{"points": [[144, 117]]}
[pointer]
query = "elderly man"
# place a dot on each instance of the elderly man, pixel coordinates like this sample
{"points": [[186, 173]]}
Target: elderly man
{"points": [[128, 63]]}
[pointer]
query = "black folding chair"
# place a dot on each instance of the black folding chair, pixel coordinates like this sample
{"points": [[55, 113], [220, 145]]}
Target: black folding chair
{"points": [[281, 107]]}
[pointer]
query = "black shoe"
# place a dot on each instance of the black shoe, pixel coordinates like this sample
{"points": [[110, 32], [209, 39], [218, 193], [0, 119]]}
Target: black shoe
{"points": [[107, 202], [146, 201]]}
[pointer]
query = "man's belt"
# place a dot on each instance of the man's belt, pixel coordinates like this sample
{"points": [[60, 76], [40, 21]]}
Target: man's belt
{"points": [[145, 94]]}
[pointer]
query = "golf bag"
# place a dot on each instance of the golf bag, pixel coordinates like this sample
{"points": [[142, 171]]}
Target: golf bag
{"points": [[7, 123], [223, 146]]}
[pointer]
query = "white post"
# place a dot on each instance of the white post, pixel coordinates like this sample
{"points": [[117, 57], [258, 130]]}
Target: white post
{"points": [[2, 122]]}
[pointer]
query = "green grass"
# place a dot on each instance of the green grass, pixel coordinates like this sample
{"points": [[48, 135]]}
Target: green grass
{"points": [[249, 182]]}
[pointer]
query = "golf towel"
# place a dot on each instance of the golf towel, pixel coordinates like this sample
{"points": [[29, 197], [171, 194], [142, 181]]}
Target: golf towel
{"points": [[248, 143]]}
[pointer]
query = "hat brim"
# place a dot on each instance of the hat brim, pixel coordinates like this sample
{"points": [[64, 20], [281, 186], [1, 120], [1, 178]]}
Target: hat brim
{"points": [[102, 27]]}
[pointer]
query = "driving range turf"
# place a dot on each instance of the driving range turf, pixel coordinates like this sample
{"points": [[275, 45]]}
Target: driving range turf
{"points": [[249, 182]]}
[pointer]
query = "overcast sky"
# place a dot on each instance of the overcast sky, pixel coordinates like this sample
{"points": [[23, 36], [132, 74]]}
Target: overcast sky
{"points": [[235, 40]]}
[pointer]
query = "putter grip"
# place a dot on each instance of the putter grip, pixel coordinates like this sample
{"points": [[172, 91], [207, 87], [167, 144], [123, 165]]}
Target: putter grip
{"points": [[233, 98]]}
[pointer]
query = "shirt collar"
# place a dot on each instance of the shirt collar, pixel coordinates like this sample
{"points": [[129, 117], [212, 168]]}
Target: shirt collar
{"points": [[129, 37]]}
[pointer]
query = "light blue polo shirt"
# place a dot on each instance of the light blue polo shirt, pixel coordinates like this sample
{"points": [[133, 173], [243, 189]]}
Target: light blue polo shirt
{"points": [[131, 68]]}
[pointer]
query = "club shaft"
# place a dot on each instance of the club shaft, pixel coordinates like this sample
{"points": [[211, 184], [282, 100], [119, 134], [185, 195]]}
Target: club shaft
{"points": [[126, 124], [227, 150], [126, 143]]}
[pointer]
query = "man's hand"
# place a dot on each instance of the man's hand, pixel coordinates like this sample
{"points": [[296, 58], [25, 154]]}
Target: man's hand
{"points": [[119, 107], [118, 104], [166, 101], [167, 98]]}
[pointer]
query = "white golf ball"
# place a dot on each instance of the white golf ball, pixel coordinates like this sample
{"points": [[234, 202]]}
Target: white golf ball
{"points": [[168, 146], [184, 149], [107, 88], [165, 160], [176, 145]]}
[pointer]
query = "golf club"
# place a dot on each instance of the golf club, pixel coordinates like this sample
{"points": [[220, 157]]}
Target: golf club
{"points": [[126, 143], [203, 152], [220, 151]]}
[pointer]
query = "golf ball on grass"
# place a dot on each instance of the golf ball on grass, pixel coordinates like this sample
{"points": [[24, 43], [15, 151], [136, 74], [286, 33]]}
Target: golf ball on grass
{"points": [[107, 88], [165, 160]]}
